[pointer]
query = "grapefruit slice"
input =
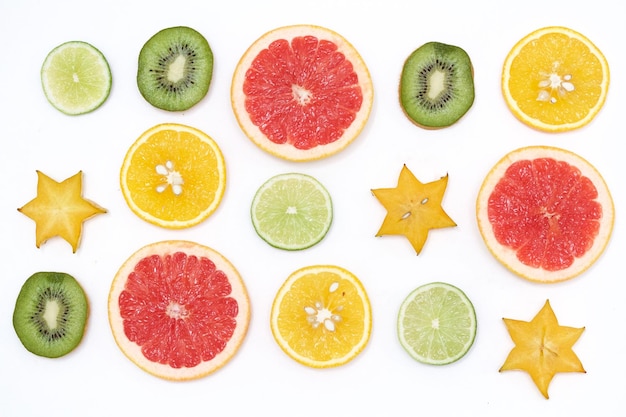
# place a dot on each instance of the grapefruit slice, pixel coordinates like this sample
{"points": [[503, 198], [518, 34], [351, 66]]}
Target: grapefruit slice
{"points": [[178, 310], [545, 213], [302, 92]]}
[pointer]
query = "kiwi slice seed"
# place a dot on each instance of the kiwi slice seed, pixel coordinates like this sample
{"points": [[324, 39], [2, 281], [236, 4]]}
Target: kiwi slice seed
{"points": [[437, 85], [50, 314], [175, 68]]}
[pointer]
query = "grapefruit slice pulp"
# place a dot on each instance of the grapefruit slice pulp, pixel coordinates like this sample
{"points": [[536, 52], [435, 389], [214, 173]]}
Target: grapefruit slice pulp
{"points": [[178, 310], [545, 213], [301, 92]]}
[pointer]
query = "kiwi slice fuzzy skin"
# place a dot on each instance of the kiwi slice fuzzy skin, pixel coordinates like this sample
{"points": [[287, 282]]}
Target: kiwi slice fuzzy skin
{"points": [[50, 314], [437, 85], [175, 68]]}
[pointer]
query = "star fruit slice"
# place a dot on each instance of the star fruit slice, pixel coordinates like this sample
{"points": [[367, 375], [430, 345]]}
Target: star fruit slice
{"points": [[59, 209], [543, 348], [413, 208]]}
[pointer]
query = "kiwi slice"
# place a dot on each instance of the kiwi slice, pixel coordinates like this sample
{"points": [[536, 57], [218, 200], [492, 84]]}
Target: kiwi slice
{"points": [[175, 68], [50, 314], [437, 85]]}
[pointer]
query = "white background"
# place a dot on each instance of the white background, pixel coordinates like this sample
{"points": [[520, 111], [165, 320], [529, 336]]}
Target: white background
{"points": [[97, 380]]}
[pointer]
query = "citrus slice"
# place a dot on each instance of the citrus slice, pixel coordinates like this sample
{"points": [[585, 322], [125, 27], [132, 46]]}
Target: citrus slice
{"points": [[437, 324], [545, 213], [292, 211], [302, 92], [76, 78], [173, 176], [321, 316], [555, 79], [178, 310]]}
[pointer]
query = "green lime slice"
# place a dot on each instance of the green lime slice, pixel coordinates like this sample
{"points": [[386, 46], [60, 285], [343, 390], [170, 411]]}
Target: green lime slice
{"points": [[437, 324], [76, 78], [292, 211]]}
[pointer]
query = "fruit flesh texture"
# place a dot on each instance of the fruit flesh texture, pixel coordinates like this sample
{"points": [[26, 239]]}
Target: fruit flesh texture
{"points": [[304, 92], [447, 85], [558, 82], [76, 78], [292, 211], [437, 324], [182, 81], [322, 316], [556, 205], [192, 315], [50, 314]]}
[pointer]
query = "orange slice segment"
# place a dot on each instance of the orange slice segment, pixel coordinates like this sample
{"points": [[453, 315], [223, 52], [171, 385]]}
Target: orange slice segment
{"points": [[321, 316], [555, 79], [173, 176], [301, 92]]}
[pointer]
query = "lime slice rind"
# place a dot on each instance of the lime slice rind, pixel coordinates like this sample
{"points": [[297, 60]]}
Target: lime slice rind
{"points": [[437, 324], [76, 78], [292, 211]]}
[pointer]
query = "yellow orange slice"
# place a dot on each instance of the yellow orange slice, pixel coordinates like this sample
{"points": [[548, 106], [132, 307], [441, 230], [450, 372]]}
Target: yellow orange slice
{"points": [[555, 79], [302, 92], [545, 213], [173, 176], [321, 316]]}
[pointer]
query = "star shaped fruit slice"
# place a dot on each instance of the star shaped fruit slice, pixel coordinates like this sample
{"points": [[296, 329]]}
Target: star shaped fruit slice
{"points": [[543, 348], [59, 209], [413, 208]]}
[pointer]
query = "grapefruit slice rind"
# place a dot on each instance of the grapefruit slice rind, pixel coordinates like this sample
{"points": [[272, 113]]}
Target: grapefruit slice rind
{"points": [[305, 80], [593, 224], [201, 306]]}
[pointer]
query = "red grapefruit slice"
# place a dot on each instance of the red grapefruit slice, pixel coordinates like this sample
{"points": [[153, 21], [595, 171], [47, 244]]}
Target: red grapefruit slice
{"points": [[545, 213], [178, 310], [302, 92]]}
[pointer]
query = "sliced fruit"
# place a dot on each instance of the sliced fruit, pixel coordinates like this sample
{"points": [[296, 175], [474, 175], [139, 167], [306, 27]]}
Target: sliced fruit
{"points": [[555, 79], [302, 92], [178, 310], [292, 211], [76, 78], [50, 314], [59, 209], [543, 348], [321, 316], [173, 176], [545, 213], [175, 68], [437, 324], [437, 85], [413, 208]]}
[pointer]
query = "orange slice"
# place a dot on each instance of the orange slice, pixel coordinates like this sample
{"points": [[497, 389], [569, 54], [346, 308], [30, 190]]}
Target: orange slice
{"points": [[555, 79], [302, 92], [321, 316], [178, 310], [173, 176], [545, 213]]}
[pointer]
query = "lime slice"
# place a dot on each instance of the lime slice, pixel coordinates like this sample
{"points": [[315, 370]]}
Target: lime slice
{"points": [[292, 211], [76, 78], [437, 324]]}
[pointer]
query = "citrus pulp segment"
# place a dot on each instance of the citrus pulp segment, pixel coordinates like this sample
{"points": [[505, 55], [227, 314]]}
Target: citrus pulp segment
{"points": [[76, 78], [321, 316], [178, 310], [292, 211], [173, 176], [555, 79], [437, 324], [545, 213], [302, 92]]}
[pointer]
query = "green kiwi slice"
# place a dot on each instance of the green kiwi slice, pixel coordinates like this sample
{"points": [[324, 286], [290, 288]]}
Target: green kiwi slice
{"points": [[437, 85], [175, 68], [50, 314]]}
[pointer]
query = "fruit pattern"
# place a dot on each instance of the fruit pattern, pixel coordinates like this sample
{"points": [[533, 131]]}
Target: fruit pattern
{"points": [[519, 357]]}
